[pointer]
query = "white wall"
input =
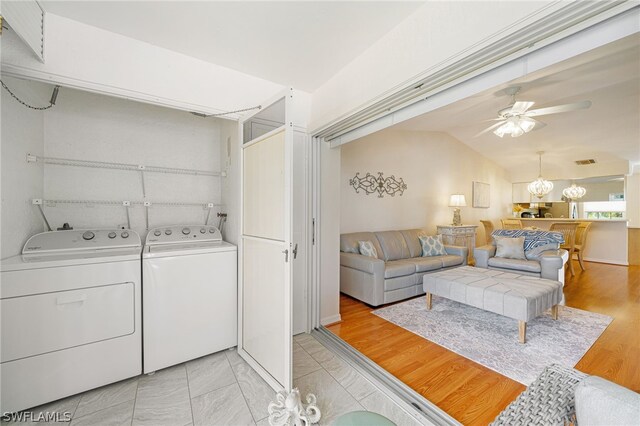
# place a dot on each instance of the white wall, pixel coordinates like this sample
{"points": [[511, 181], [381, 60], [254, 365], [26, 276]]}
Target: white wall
{"points": [[94, 127], [82, 56], [632, 196], [230, 161], [22, 133], [433, 166], [328, 237]]}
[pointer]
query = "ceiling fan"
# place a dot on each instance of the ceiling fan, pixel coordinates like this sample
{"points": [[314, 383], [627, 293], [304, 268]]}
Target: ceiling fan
{"points": [[516, 119]]}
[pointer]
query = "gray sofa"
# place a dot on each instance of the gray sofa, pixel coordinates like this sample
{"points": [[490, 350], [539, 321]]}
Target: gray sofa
{"points": [[397, 272], [544, 258]]}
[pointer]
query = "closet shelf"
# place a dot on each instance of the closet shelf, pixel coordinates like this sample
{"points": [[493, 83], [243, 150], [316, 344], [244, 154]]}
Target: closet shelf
{"points": [[121, 166]]}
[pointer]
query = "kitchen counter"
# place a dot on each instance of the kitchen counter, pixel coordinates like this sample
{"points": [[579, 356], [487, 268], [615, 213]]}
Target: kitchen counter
{"points": [[607, 240], [565, 219]]}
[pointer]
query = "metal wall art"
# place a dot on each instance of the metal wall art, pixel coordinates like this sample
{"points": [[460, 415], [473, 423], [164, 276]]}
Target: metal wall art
{"points": [[371, 184]]}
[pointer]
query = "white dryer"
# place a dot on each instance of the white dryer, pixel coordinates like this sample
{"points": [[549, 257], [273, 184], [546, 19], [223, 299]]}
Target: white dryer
{"points": [[189, 295], [71, 315]]}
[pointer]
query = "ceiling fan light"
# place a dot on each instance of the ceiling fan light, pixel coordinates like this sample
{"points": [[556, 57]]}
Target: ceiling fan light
{"points": [[515, 126], [527, 124], [499, 131], [517, 132], [574, 192]]}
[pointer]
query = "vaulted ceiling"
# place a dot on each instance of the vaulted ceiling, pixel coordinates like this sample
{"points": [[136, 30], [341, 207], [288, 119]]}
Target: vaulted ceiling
{"points": [[609, 131], [301, 43]]}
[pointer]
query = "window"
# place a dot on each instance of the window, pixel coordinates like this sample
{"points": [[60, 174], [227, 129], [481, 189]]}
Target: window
{"points": [[604, 209]]}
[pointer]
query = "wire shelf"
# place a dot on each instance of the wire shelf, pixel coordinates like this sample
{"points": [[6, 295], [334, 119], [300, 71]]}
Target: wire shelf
{"points": [[122, 166]]}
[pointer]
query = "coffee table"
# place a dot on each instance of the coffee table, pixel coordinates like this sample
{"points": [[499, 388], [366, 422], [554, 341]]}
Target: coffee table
{"points": [[516, 296]]}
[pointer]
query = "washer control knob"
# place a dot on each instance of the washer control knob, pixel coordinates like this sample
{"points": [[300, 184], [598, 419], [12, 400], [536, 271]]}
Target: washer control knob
{"points": [[202, 230], [212, 230], [112, 235], [88, 235], [157, 232], [124, 234], [167, 232], [186, 231]]}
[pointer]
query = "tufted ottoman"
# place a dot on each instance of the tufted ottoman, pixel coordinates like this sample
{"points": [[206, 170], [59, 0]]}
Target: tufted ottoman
{"points": [[520, 297]]}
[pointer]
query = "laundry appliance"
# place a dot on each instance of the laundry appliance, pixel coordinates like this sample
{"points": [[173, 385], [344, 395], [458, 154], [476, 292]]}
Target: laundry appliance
{"points": [[71, 315], [190, 294]]}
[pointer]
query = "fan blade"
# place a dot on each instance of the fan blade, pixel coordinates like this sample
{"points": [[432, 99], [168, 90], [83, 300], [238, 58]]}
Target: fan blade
{"points": [[558, 108], [490, 128], [521, 107], [539, 125]]}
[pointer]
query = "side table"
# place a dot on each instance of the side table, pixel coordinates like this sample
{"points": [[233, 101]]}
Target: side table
{"points": [[462, 235]]}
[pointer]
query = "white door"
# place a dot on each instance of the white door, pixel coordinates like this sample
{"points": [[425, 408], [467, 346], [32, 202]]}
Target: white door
{"points": [[265, 289]]}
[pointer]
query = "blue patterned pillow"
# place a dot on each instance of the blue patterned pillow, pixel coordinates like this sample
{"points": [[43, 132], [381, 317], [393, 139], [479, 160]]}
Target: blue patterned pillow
{"points": [[432, 246], [367, 249], [535, 242]]}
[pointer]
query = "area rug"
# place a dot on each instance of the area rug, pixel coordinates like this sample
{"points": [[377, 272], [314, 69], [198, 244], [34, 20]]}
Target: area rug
{"points": [[492, 340]]}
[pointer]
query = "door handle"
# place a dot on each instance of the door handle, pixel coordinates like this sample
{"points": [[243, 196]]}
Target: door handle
{"points": [[286, 255], [295, 251]]}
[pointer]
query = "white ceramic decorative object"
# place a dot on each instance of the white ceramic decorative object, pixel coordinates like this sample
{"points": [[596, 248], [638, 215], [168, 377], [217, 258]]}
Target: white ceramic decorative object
{"points": [[289, 410]]}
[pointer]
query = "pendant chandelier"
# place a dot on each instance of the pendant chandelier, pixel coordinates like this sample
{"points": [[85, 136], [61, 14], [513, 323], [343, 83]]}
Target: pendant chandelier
{"points": [[540, 187], [574, 192]]}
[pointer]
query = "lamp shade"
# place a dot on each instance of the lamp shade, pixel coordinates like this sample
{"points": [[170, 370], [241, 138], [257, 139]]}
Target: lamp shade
{"points": [[457, 200]]}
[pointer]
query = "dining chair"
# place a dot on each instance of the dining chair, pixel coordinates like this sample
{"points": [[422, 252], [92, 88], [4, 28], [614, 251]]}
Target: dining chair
{"points": [[581, 240], [488, 229], [511, 224], [568, 230]]}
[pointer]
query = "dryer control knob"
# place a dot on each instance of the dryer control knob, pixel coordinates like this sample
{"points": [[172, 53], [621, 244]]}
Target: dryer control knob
{"points": [[212, 230], [157, 232], [125, 234], [112, 235], [186, 231], [202, 230], [88, 235], [167, 232]]}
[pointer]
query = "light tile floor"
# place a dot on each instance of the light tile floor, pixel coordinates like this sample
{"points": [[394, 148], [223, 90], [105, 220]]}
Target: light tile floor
{"points": [[222, 389]]}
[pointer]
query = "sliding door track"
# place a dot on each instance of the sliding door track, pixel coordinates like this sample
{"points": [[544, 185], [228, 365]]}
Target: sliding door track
{"points": [[409, 400]]}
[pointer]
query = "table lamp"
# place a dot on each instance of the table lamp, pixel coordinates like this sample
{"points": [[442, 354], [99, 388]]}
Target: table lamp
{"points": [[456, 201]]}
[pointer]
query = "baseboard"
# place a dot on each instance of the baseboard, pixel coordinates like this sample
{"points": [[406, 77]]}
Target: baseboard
{"points": [[609, 261], [330, 320]]}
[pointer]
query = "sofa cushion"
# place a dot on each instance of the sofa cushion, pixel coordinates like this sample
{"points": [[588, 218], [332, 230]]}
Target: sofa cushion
{"points": [[424, 264], [349, 242], [510, 248], [432, 246], [398, 268], [366, 248], [516, 264], [412, 238], [396, 283], [393, 245], [451, 260]]}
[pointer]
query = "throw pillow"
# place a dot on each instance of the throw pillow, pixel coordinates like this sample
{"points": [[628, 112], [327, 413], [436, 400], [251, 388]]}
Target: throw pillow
{"points": [[510, 248], [367, 249], [534, 253], [432, 246]]}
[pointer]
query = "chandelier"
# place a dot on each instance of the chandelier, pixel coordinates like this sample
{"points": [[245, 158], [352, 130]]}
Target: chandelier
{"points": [[574, 192], [540, 187]]}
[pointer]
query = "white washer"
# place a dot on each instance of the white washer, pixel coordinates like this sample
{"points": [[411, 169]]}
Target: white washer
{"points": [[71, 315], [189, 278]]}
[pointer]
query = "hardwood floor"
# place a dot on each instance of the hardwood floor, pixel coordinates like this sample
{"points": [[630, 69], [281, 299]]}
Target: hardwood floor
{"points": [[474, 394]]}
